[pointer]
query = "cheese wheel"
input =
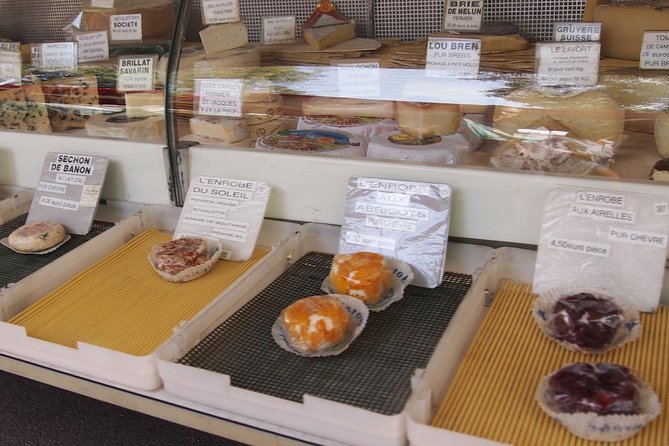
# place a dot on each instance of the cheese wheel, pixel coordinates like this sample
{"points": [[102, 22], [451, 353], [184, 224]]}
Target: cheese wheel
{"points": [[662, 134], [225, 129], [314, 142], [272, 109], [366, 128], [36, 236], [317, 105], [118, 125], [266, 128], [158, 18], [589, 115], [401, 146], [424, 120]]}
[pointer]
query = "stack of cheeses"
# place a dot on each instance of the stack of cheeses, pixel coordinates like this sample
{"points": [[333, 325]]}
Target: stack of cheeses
{"points": [[327, 27], [226, 47], [263, 111]]}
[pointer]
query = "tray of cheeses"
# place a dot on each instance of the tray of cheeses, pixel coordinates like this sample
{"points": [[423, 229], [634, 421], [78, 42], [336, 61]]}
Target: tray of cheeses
{"points": [[357, 396], [110, 314]]}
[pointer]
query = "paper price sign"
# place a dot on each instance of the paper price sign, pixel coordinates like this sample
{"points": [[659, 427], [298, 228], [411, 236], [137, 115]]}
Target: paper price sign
{"points": [[453, 56], [567, 63], [463, 15], [125, 27], [93, 46], [58, 56], [10, 67], [655, 51], [360, 77], [219, 97], [220, 11], [136, 73], [278, 30], [13, 46], [577, 32]]}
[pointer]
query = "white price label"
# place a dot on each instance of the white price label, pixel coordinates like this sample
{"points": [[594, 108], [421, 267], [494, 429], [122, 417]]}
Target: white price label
{"points": [[36, 56], [58, 56], [654, 51], [567, 63], [220, 11], [12, 46], [278, 30], [219, 97], [580, 246], [577, 32], [125, 27], [463, 15], [358, 77], [136, 73], [458, 57], [10, 67], [107, 4], [93, 46]]}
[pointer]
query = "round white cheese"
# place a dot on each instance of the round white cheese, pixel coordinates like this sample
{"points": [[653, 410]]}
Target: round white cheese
{"points": [[314, 142], [226, 129], [423, 120], [118, 125], [662, 134], [366, 128], [396, 145]]}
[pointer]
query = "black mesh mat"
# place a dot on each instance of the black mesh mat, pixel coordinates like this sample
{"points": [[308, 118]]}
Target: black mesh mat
{"points": [[14, 267], [373, 373]]}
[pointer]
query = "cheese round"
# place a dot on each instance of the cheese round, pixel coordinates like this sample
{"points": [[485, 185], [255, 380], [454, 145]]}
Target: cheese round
{"points": [[266, 128], [423, 120], [364, 127], [36, 236], [314, 142], [662, 134], [118, 125], [317, 105], [270, 109], [225, 129], [401, 146], [590, 115]]}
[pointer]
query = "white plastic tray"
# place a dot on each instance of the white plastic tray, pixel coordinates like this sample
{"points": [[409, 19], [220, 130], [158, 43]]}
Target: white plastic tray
{"points": [[333, 422], [138, 372], [14, 201]]}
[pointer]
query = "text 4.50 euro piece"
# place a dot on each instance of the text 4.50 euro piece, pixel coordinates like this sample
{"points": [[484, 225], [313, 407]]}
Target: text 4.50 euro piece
{"points": [[406, 220]]}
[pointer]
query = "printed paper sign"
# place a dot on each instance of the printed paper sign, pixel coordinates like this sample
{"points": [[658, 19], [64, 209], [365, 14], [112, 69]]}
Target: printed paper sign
{"points": [[358, 77], [58, 56], [10, 67], [125, 27], [463, 15], [226, 209], [577, 32], [36, 56], [136, 73], [108, 4], [655, 51], [220, 11], [92, 46], [611, 240], [567, 63], [278, 30], [69, 190], [12, 46], [453, 56], [219, 97]]}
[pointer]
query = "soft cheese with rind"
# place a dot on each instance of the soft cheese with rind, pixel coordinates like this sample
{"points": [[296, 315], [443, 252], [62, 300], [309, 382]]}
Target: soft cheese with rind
{"points": [[221, 128], [223, 37], [36, 236]]}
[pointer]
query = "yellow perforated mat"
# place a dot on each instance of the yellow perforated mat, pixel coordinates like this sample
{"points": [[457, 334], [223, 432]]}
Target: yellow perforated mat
{"points": [[120, 303], [492, 394]]}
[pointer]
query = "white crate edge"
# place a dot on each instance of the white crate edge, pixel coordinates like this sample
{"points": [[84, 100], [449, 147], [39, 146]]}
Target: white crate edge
{"points": [[14, 201]]}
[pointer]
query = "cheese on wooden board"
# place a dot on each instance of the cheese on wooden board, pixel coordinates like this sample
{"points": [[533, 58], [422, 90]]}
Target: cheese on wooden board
{"points": [[158, 17], [71, 101], [266, 128], [318, 142], [145, 104], [396, 145], [226, 129], [623, 27], [317, 105], [224, 37], [118, 125], [327, 36], [366, 128], [23, 108], [423, 120], [590, 115], [662, 134]]}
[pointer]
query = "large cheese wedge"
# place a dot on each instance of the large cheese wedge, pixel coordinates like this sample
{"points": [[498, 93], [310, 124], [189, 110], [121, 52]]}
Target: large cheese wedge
{"points": [[224, 37], [423, 120], [226, 129], [158, 17], [222, 64], [23, 108], [327, 36], [662, 134], [623, 27], [369, 108], [71, 101], [590, 115], [118, 125], [145, 104]]}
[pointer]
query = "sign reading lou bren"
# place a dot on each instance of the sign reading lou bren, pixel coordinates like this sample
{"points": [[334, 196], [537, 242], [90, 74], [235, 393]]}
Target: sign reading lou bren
{"points": [[454, 56], [136, 73], [463, 15], [69, 190]]}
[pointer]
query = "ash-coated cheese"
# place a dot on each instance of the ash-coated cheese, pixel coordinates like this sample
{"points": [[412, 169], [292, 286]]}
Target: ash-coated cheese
{"points": [[118, 125], [589, 115], [224, 37], [662, 134], [225, 129], [424, 120]]}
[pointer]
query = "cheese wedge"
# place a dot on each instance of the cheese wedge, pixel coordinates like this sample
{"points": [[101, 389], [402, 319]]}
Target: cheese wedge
{"points": [[317, 105], [424, 120], [224, 37], [225, 129], [327, 36], [71, 101], [145, 104]]}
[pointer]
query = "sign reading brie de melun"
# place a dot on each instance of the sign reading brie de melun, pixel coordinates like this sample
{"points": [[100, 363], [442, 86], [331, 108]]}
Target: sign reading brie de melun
{"points": [[463, 15]]}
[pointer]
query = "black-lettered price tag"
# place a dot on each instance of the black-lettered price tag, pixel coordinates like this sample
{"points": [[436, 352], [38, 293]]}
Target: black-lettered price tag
{"points": [[93, 46], [278, 30], [453, 56], [126, 27], [219, 97], [220, 11], [358, 77], [567, 63], [136, 73], [577, 32], [10, 67], [655, 51], [462, 15], [58, 56]]}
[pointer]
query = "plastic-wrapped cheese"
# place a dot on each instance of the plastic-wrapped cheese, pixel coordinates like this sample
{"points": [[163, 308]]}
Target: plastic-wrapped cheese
{"points": [[317, 105], [662, 134], [396, 145], [589, 115], [118, 125], [314, 142], [366, 128], [423, 120], [223, 64], [226, 129]]}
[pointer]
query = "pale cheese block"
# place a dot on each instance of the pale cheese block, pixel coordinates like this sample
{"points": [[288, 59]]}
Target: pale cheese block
{"points": [[423, 120], [314, 142], [623, 27], [145, 104], [259, 93], [224, 64], [258, 112], [317, 105], [266, 128], [118, 125], [71, 101], [326, 36], [396, 145], [366, 128], [589, 115], [225, 129], [224, 37], [158, 17], [662, 134]]}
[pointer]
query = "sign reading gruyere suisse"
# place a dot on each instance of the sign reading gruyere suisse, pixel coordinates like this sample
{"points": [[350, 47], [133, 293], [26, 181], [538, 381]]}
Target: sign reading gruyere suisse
{"points": [[69, 190]]}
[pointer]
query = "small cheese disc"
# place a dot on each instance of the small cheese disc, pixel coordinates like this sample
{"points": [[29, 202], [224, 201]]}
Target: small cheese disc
{"points": [[225, 129], [435, 149], [366, 128], [314, 142], [424, 120], [36, 236], [317, 105]]}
